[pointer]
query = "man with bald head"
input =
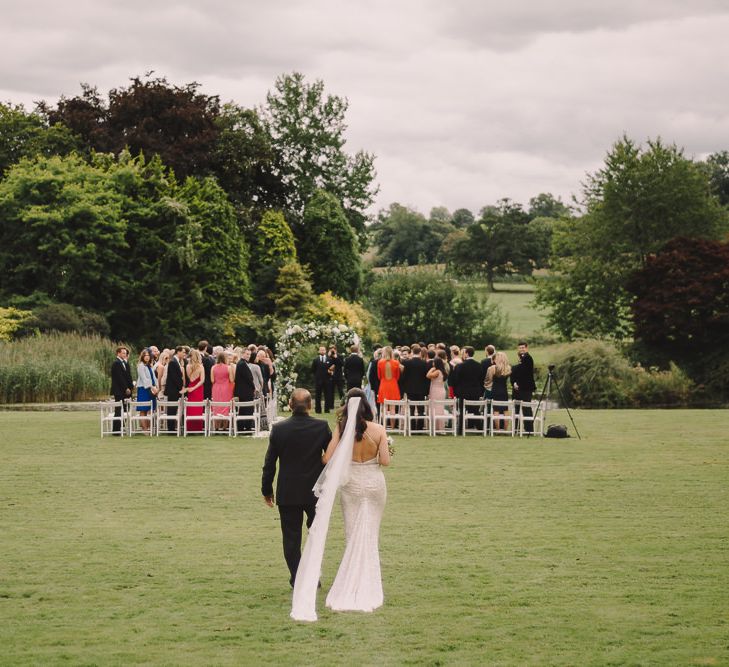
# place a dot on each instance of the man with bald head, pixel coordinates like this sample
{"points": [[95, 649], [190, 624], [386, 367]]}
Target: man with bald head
{"points": [[297, 443]]}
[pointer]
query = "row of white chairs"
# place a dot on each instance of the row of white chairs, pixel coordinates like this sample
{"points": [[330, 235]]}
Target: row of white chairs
{"points": [[183, 417], [483, 417]]}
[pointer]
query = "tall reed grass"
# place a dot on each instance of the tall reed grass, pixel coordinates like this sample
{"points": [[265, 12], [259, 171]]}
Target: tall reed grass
{"points": [[55, 367]]}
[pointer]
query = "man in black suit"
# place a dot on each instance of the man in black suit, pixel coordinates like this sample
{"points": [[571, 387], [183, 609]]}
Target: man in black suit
{"points": [[522, 382], [208, 362], [372, 378], [174, 387], [121, 384], [244, 389], [298, 444], [467, 380], [336, 367], [414, 382], [487, 361], [322, 378], [354, 369]]}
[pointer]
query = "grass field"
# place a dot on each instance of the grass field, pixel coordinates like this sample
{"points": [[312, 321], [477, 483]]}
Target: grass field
{"points": [[613, 550]]}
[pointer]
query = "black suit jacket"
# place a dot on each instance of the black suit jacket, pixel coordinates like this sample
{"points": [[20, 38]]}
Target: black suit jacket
{"points": [[354, 370], [320, 369], [414, 380], [523, 374], [372, 376], [467, 380], [243, 388], [297, 443], [175, 382], [121, 379]]}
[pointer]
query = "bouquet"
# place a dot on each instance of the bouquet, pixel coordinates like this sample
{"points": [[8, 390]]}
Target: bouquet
{"points": [[390, 447]]}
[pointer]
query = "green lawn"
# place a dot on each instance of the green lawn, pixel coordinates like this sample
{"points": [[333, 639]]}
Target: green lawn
{"points": [[612, 550]]}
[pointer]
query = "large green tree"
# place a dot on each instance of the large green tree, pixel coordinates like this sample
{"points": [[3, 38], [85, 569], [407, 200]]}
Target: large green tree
{"points": [[307, 128], [642, 197], [328, 246], [272, 247]]}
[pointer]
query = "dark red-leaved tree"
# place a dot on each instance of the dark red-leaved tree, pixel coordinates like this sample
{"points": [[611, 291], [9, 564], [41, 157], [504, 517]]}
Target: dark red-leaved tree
{"points": [[681, 308]]}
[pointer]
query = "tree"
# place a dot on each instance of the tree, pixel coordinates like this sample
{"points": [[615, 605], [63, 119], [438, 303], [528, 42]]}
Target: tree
{"points": [[307, 130], [151, 116], [24, 134], [404, 236], [423, 304], [544, 205], [273, 247], [498, 244], [717, 165], [293, 295], [328, 246], [681, 309], [462, 218], [641, 198]]}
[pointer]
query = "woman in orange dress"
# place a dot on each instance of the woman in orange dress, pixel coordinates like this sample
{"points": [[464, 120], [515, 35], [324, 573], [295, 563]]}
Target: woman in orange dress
{"points": [[388, 371]]}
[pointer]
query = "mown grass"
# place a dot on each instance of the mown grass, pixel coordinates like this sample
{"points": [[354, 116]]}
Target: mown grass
{"points": [[610, 550]]}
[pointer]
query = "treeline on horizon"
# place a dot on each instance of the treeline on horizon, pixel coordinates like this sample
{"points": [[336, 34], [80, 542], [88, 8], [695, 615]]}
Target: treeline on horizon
{"points": [[158, 213]]}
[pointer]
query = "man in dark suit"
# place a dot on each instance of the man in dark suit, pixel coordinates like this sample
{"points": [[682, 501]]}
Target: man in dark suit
{"points": [[467, 380], [322, 378], [414, 382], [174, 387], [522, 382], [298, 444], [336, 367], [121, 384], [488, 360], [244, 389], [208, 362], [354, 369], [372, 378]]}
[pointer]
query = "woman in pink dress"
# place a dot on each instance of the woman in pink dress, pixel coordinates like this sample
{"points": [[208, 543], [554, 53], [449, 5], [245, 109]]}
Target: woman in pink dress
{"points": [[437, 376], [222, 377], [195, 392]]}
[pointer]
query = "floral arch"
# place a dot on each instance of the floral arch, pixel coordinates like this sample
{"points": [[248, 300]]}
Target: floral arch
{"points": [[294, 337]]}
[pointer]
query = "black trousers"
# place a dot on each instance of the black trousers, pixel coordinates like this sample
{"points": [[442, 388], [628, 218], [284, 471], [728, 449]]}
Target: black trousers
{"points": [[418, 423], [117, 428], [522, 395], [464, 421], [245, 424], [323, 389], [172, 412], [292, 517]]}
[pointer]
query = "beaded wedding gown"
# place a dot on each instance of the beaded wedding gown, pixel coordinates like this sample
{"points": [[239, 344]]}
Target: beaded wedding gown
{"points": [[358, 584]]}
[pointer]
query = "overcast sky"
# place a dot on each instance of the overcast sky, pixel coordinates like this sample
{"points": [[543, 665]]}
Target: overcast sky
{"points": [[462, 101]]}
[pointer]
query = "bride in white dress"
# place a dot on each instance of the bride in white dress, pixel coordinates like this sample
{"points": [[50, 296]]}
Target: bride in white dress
{"points": [[358, 584], [353, 458]]}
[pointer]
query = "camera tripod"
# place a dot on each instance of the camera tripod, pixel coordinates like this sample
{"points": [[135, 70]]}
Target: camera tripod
{"points": [[545, 396]]}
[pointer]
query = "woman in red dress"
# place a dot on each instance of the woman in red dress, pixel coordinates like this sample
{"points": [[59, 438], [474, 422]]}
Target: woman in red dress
{"points": [[195, 391], [388, 371]]}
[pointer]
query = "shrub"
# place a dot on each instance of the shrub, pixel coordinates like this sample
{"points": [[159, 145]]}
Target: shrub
{"points": [[55, 367], [63, 317], [12, 320]]}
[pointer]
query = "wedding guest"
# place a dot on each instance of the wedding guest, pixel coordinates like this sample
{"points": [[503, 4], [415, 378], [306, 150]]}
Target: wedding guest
{"points": [[337, 378], [255, 372], [146, 386], [496, 377], [388, 373], [354, 368], [467, 378], [121, 384], [208, 362], [195, 391], [373, 382], [222, 378], [160, 369], [175, 381], [244, 390], [454, 359], [523, 385], [438, 374], [261, 361], [488, 359], [414, 382]]}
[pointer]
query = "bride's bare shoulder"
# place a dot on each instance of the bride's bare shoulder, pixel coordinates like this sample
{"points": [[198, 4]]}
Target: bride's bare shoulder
{"points": [[375, 429]]}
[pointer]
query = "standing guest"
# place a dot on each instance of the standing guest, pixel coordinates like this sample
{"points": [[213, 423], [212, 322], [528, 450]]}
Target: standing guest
{"points": [[496, 377], [414, 382], [490, 350], [244, 389], [261, 361], [354, 369], [297, 444], [146, 385], [223, 380], [175, 381], [195, 391], [454, 359], [373, 382], [438, 374], [160, 370], [388, 373], [522, 382], [270, 361], [255, 372], [154, 351], [208, 362], [121, 384], [467, 378], [335, 371], [320, 371]]}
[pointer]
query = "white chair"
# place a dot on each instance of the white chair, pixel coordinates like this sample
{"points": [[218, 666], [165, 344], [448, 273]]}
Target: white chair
{"points": [[109, 416], [475, 416], [216, 421], [446, 423], [195, 418], [252, 418], [536, 419], [507, 418], [418, 414], [165, 417], [394, 416], [136, 421]]}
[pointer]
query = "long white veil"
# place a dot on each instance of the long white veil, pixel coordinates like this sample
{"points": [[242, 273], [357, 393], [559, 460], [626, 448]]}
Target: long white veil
{"points": [[334, 475]]}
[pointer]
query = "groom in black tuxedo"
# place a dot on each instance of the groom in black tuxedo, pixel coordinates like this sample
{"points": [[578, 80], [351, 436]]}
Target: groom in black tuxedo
{"points": [[298, 444]]}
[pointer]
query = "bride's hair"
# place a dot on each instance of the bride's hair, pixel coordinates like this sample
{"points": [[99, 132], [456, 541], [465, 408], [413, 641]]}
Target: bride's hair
{"points": [[364, 414]]}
